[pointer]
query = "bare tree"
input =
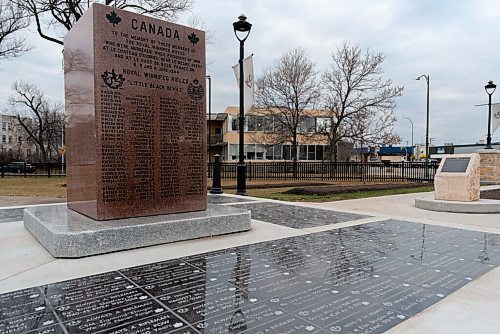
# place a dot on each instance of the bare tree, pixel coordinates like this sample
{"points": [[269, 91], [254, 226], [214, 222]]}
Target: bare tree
{"points": [[12, 20], [41, 120], [286, 91], [355, 91], [61, 15], [372, 128]]}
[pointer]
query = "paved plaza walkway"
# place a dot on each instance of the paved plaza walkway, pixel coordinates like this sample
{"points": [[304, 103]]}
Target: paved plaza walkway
{"points": [[357, 266]]}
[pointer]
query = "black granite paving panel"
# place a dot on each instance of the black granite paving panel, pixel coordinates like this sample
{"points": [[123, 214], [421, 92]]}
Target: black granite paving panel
{"points": [[16, 303], [360, 279], [218, 199], [162, 323], [11, 215], [295, 216], [31, 321], [120, 317]]}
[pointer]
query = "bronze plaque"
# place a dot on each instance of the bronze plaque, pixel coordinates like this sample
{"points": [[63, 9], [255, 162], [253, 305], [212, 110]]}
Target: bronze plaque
{"points": [[135, 101], [455, 165]]}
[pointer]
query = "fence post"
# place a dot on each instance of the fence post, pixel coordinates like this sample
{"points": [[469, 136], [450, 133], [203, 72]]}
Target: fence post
{"points": [[361, 171], [216, 184], [249, 171], [25, 168], [48, 170]]}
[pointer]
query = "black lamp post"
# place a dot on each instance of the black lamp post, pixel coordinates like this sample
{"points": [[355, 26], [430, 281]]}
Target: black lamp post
{"points": [[427, 119], [411, 133], [209, 114], [489, 88], [241, 26]]}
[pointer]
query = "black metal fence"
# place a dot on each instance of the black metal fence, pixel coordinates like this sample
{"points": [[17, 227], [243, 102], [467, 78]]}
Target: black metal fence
{"points": [[342, 171], [283, 170], [32, 169]]}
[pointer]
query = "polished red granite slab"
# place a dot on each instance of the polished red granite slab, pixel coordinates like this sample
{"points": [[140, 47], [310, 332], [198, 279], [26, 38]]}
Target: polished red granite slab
{"points": [[135, 103]]}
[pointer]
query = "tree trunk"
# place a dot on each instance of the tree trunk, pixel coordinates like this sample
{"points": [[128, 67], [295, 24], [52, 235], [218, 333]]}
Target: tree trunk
{"points": [[294, 155], [335, 150]]}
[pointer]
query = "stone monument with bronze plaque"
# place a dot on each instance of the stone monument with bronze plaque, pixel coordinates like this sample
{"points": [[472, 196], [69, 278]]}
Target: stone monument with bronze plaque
{"points": [[135, 104], [457, 178]]}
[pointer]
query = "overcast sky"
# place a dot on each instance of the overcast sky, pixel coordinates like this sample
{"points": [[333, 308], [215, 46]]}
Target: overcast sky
{"points": [[457, 43]]}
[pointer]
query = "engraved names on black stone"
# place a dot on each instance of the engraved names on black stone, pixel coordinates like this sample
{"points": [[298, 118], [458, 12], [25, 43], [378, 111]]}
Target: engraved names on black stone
{"points": [[364, 279]]}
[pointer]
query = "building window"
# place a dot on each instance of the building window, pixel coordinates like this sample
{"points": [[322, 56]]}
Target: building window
{"points": [[268, 124], [302, 152], [259, 152], [311, 152], [10, 139], [319, 152], [277, 152], [3, 139], [233, 152], [259, 123], [4, 125], [286, 152], [323, 124], [250, 123], [234, 123], [218, 131], [306, 124], [273, 152], [250, 151]]}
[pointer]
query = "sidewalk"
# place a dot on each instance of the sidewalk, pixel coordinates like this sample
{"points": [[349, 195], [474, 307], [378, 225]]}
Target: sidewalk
{"points": [[472, 308], [15, 201]]}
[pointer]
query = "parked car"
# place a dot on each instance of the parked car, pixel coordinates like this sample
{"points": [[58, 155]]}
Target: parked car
{"points": [[18, 167]]}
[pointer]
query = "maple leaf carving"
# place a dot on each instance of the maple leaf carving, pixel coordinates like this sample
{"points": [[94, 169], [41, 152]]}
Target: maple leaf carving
{"points": [[113, 18], [193, 38]]}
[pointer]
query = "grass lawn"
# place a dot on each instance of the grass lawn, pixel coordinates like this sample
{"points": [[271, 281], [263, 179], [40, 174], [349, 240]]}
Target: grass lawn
{"points": [[33, 186], [278, 194], [56, 187]]}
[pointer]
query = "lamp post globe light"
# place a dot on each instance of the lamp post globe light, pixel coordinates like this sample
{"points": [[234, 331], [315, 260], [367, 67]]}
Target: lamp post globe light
{"points": [[243, 27], [490, 89]]}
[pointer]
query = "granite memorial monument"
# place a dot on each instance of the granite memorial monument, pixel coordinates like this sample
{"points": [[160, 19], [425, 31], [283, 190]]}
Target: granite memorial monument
{"points": [[136, 166]]}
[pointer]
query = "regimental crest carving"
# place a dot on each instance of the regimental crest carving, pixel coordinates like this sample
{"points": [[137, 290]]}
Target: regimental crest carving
{"points": [[193, 38], [113, 80], [497, 115], [113, 18], [195, 90]]}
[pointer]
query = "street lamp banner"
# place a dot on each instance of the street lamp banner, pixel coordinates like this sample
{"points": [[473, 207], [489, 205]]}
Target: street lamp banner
{"points": [[496, 118], [249, 84]]}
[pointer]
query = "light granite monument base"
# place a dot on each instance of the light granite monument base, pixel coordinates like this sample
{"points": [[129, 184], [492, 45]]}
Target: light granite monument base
{"points": [[479, 206], [68, 234]]}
